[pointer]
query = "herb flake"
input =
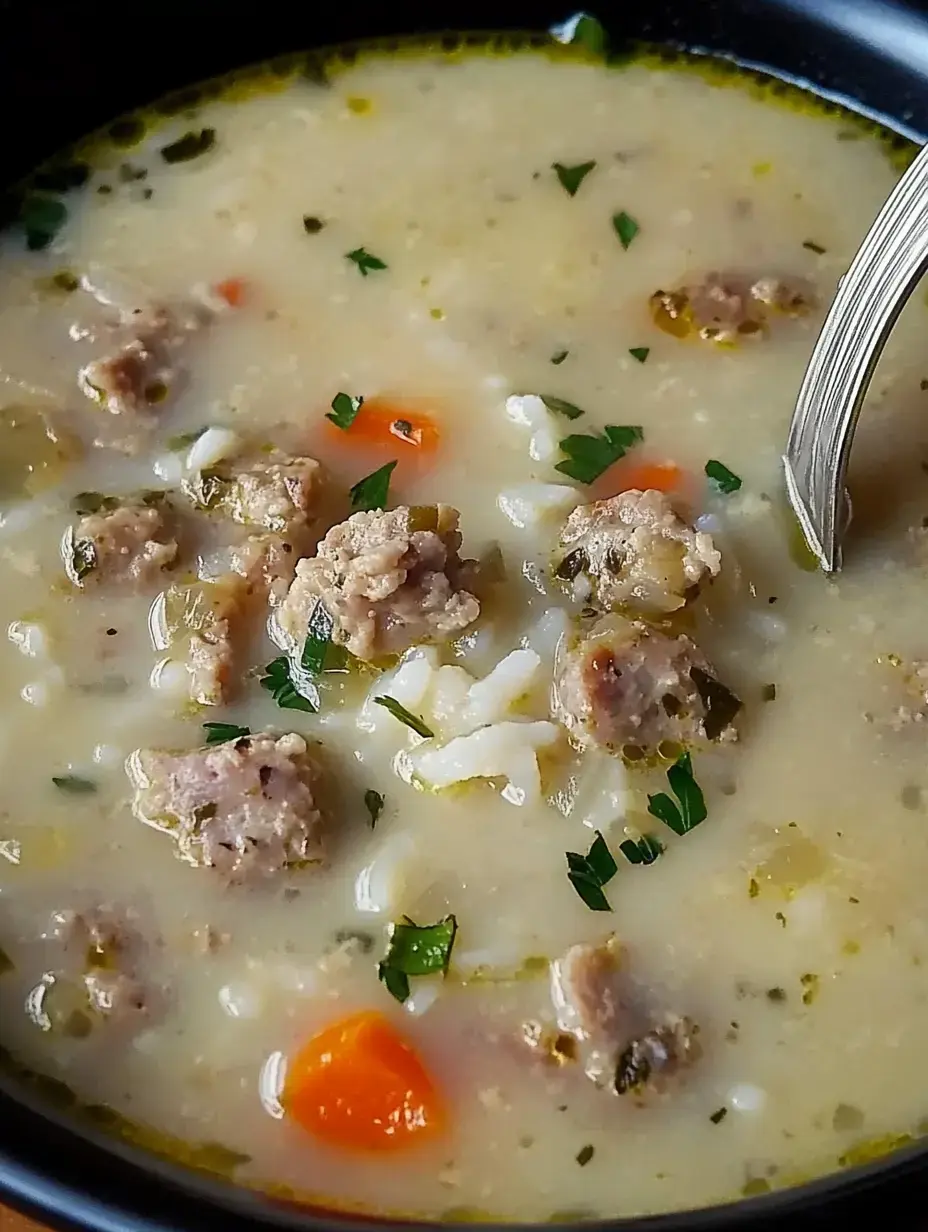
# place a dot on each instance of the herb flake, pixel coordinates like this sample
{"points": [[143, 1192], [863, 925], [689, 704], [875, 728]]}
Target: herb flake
{"points": [[721, 705], [41, 218], [588, 874], [222, 733], [415, 949], [644, 850], [639, 353], [813, 247], [373, 802], [722, 479], [691, 810], [312, 225], [277, 681], [588, 457], [585, 1154], [719, 1115], [584, 31], [74, 785], [372, 491], [400, 712], [559, 406], [191, 145], [625, 228], [572, 177], [558, 357], [365, 261], [344, 410]]}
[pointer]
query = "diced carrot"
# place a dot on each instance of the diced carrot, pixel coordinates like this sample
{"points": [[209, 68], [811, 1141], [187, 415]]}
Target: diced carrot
{"points": [[359, 1085], [233, 291], [664, 476], [381, 424]]}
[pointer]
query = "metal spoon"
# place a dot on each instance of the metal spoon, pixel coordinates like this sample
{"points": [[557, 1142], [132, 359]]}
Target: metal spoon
{"points": [[870, 296]]}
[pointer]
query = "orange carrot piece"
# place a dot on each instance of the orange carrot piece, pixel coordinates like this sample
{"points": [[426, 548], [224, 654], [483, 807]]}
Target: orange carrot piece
{"points": [[233, 291], [359, 1085], [382, 424], [663, 476]]}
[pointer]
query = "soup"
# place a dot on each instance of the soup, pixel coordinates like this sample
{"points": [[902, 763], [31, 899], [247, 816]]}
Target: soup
{"points": [[434, 779]]}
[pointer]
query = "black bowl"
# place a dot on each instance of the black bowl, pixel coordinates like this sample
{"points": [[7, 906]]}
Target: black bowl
{"points": [[68, 67]]}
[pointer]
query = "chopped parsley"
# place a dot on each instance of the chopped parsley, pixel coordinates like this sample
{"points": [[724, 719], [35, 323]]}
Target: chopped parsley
{"points": [[400, 712], [312, 225], [559, 356], [190, 146], [365, 261], [644, 850], [639, 353], [318, 639], [768, 693], [691, 810], [585, 1154], [589, 456], [719, 1115], [344, 410], [372, 491], [720, 703], [572, 177], [6, 963], [723, 480], [221, 733], [415, 949], [277, 681], [558, 406], [813, 247], [625, 228], [373, 802], [41, 218], [74, 785], [588, 874]]}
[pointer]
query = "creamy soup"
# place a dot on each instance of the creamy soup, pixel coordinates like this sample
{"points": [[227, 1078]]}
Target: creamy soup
{"points": [[434, 780]]}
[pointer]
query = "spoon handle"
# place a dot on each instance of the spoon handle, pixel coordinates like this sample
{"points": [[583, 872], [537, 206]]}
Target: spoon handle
{"points": [[870, 296]]}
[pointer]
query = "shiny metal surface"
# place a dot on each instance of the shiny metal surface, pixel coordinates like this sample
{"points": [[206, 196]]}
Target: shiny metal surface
{"points": [[882, 276]]}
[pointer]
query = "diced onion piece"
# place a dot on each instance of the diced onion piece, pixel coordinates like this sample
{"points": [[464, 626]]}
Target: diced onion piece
{"points": [[241, 1000], [407, 683], [380, 884], [169, 468], [271, 1084], [30, 639], [423, 996], [214, 445], [529, 411], [170, 676], [748, 1098], [546, 633], [449, 695], [531, 503]]}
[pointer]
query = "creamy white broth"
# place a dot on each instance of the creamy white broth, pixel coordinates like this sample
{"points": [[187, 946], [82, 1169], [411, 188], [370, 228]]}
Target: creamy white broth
{"points": [[790, 925]]}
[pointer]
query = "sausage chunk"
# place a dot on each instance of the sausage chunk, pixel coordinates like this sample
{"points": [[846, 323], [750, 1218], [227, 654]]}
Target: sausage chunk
{"points": [[279, 493], [389, 580], [101, 952], [245, 808], [725, 308], [636, 553], [143, 373], [628, 688], [621, 1044], [121, 543]]}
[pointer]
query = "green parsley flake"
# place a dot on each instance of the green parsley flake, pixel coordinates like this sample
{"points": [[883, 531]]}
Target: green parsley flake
{"points": [[644, 850], [277, 681], [572, 177], [691, 810], [415, 949], [588, 874], [191, 145], [559, 356], [723, 480], [639, 353], [589, 456], [344, 410], [221, 733], [372, 491], [400, 712], [74, 785], [625, 228], [365, 261], [558, 406]]}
